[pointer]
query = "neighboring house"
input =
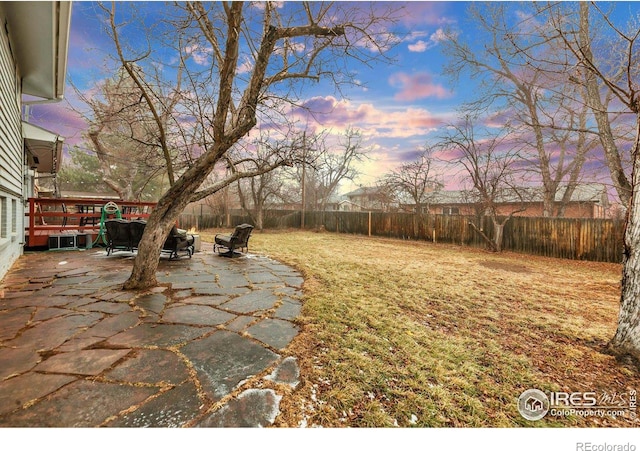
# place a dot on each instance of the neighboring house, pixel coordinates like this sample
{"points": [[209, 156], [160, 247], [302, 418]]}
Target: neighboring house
{"points": [[347, 205], [589, 200], [34, 38], [367, 198]]}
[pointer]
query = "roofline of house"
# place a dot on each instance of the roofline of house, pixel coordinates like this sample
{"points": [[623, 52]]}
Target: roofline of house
{"points": [[39, 36]]}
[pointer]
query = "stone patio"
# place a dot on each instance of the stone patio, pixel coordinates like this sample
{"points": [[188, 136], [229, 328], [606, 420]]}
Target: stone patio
{"points": [[207, 348]]}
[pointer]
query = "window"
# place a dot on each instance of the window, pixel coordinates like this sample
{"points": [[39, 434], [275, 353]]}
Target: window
{"points": [[450, 211], [3, 217], [14, 216]]}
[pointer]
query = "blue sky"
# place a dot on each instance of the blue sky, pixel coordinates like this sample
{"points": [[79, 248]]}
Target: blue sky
{"points": [[398, 107]]}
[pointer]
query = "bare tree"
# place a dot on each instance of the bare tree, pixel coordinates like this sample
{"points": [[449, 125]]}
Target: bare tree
{"points": [[122, 134], [327, 163], [258, 192], [617, 71], [416, 181], [334, 166], [524, 94], [490, 167], [236, 64], [596, 77]]}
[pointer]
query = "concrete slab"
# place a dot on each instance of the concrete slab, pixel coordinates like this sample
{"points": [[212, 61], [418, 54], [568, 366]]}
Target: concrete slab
{"points": [[89, 363], [79, 280], [14, 320], [105, 307], [198, 315], [288, 372], [274, 332], [22, 390], [152, 334], [172, 409], [229, 279], [235, 360], [252, 408], [82, 403], [150, 366], [263, 277], [45, 313], [241, 322], [15, 361], [249, 303], [112, 325], [154, 302], [214, 290], [289, 310], [205, 300], [52, 333]]}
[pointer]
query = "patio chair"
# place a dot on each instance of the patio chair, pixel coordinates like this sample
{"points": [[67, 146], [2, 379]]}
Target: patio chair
{"points": [[136, 228], [239, 239], [178, 241], [118, 235]]}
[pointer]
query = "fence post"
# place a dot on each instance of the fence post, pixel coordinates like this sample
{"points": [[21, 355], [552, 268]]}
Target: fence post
{"points": [[369, 223]]}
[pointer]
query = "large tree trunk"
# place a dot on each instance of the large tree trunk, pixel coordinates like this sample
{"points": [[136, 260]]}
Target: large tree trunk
{"points": [[259, 217], [490, 242], [498, 231], [159, 224], [498, 234], [627, 337], [548, 204], [163, 218], [147, 259]]}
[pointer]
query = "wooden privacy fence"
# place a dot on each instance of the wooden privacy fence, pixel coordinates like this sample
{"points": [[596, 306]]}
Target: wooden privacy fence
{"points": [[578, 239], [208, 221]]}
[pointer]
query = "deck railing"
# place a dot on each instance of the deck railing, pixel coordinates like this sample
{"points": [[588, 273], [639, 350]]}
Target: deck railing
{"points": [[52, 216]]}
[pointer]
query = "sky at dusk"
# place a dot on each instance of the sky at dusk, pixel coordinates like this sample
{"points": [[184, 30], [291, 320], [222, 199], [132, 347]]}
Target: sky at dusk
{"points": [[398, 107]]}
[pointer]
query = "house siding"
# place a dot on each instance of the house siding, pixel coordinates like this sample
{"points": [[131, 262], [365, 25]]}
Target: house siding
{"points": [[11, 157]]}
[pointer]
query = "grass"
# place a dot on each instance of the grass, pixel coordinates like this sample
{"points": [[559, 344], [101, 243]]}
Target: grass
{"points": [[400, 333]]}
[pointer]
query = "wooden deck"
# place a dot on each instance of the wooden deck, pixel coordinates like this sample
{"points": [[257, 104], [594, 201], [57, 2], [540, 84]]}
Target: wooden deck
{"points": [[62, 216]]}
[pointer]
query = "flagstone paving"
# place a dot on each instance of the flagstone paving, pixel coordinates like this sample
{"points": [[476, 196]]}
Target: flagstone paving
{"points": [[207, 348]]}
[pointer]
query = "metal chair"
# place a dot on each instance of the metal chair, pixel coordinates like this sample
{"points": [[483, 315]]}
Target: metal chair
{"points": [[118, 235], [239, 239]]}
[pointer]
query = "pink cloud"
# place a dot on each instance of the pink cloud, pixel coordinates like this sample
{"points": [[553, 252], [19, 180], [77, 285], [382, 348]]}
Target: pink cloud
{"points": [[417, 86], [425, 13], [329, 112]]}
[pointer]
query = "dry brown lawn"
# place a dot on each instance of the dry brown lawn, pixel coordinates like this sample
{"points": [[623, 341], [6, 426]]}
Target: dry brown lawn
{"points": [[414, 334]]}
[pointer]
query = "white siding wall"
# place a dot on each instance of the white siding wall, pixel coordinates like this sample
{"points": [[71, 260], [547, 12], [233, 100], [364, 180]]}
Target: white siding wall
{"points": [[11, 158]]}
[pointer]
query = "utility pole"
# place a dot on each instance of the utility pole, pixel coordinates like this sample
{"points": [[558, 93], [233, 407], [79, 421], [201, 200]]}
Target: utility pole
{"points": [[304, 173]]}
